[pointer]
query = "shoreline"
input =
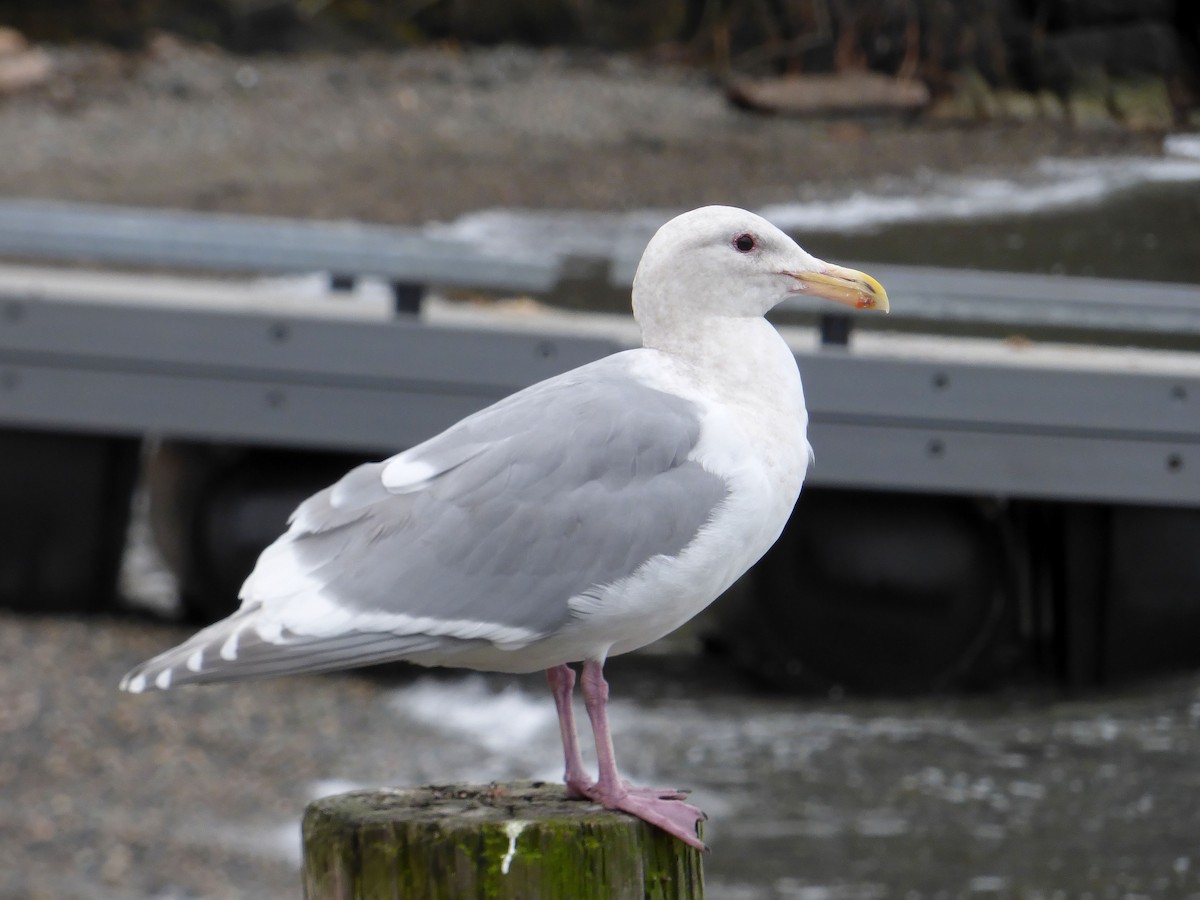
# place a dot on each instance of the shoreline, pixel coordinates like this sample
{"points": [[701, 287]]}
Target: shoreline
{"points": [[428, 135]]}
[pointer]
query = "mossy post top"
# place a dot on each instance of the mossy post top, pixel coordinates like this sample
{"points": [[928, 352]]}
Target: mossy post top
{"points": [[499, 841]]}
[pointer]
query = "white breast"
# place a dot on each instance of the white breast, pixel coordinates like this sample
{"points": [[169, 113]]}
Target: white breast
{"points": [[754, 435]]}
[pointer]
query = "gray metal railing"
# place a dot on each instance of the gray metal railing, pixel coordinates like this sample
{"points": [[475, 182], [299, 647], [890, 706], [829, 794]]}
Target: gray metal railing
{"points": [[47, 230], [960, 301], [925, 299]]}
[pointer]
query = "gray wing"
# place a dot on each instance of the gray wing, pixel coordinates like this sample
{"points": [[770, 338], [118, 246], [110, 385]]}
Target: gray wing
{"points": [[481, 533]]}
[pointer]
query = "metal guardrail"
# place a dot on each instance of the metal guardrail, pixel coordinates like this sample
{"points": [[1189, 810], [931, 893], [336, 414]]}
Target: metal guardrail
{"points": [[1036, 432], [257, 378], [936, 300], [966, 301], [46, 230], [949, 426], [1040, 306]]}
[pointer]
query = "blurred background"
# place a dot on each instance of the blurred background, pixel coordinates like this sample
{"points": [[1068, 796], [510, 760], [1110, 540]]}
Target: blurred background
{"points": [[246, 244]]}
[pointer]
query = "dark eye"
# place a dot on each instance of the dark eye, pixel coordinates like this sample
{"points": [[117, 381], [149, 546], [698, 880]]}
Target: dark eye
{"points": [[745, 243]]}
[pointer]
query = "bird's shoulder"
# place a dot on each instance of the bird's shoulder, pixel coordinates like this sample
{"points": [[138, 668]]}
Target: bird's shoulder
{"points": [[609, 408]]}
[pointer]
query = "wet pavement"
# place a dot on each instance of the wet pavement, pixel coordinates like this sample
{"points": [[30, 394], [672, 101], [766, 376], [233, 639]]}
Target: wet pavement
{"points": [[198, 793]]}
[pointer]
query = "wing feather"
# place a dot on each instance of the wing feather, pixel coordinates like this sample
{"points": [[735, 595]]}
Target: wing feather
{"points": [[483, 533]]}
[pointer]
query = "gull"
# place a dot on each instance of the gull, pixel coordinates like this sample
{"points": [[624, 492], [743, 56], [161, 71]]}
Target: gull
{"points": [[580, 518]]}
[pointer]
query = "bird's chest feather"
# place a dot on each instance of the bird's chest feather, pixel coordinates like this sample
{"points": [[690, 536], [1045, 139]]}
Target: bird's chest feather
{"points": [[745, 382], [753, 435]]}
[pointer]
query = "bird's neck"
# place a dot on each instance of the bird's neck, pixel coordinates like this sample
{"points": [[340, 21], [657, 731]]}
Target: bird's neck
{"points": [[743, 359]]}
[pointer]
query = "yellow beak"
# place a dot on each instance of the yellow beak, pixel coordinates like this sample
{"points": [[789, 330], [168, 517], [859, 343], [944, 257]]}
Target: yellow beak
{"points": [[841, 285]]}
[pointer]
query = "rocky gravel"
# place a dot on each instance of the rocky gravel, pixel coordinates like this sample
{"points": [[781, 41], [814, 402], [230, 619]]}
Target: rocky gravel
{"points": [[429, 134]]}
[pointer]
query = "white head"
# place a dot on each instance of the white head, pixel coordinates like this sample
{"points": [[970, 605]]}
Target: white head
{"points": [[720, 261]]}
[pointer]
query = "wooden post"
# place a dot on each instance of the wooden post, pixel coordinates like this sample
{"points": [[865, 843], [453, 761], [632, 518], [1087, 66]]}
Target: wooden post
{"points": [[500, 842]]}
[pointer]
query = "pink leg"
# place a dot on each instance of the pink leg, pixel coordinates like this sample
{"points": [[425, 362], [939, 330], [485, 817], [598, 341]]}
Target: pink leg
{"points": [[663, 808], [562, 684]]}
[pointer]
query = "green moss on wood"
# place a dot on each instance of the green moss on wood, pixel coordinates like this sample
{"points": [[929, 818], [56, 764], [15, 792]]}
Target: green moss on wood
{"points": [[450, 843]]}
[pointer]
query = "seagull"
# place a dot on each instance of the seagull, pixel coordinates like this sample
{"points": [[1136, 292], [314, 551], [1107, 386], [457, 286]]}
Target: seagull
{"points": [[580, 518]]}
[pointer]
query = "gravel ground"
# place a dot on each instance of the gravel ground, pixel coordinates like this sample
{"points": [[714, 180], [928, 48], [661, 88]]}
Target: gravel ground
{"points": [[175, 797], [429, 134]]}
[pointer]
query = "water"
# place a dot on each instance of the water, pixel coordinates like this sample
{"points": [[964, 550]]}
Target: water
{"points": [[1023, 794], [1150, 232], [1133, 217]]}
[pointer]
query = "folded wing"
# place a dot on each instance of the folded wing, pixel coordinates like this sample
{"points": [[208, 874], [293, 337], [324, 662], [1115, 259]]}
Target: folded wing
{"points": [[482, 533]]}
